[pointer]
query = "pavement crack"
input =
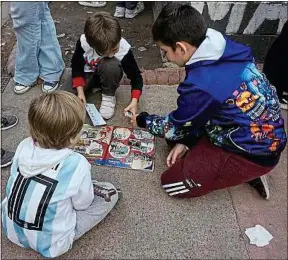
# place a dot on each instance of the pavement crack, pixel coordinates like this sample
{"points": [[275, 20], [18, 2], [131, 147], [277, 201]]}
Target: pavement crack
{"points": [[238, 222]]}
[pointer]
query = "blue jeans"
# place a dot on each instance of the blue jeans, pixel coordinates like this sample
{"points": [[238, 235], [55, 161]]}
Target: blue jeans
{"points": [[127, 4], [38, 51]]}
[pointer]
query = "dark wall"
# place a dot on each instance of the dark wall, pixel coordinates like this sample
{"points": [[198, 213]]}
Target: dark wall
{"points": [[254, 23]]}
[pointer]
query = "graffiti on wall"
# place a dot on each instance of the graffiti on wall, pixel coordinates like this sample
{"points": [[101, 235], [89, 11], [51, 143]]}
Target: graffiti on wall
{"points": [[237, 13]]}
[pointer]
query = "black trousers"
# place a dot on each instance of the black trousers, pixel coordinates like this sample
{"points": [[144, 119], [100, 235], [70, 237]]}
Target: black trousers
{"points": [[107, 76], [276, 62], [127, 4]]}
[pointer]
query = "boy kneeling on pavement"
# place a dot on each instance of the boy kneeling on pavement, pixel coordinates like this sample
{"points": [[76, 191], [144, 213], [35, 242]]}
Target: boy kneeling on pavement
{"points": [[227, 128]]}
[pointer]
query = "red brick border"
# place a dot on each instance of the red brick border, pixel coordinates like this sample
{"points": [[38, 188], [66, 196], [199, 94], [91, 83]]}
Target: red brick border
{"points": [[165, 76], [160, 76]]}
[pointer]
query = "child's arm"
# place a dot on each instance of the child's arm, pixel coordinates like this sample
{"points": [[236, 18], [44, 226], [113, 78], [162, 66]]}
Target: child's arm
{"points": [[77, 65], [85, 195], [133, 73], [195, 108]]}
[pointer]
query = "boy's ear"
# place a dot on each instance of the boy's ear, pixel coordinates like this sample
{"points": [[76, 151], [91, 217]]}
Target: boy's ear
{"points": [[181, 47]]}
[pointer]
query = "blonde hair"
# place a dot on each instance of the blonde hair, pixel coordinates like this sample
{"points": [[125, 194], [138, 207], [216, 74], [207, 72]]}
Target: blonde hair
{"points": [[102, 32], [55, 118]]}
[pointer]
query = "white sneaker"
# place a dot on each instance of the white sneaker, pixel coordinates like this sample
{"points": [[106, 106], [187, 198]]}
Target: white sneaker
{"points": [[92, 4], [119, 12], [132, 13], [107, 107], [49, 86], [20, 88], [260, 184]]}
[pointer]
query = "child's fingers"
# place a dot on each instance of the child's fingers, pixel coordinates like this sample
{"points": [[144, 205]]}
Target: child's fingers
{"points": [[169, 158], [174, 157]]}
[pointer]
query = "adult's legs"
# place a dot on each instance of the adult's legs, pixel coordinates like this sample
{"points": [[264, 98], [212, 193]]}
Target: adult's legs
{"points": [[121, 4], [131, 4], [275, 65], [26, 18], [51, 64]]}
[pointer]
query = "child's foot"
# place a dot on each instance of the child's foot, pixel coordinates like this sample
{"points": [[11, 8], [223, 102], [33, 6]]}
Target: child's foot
{"points": [[261, 185], [132, 13], [6, 158], [107, 107], [8, 122], [105, 190], [93, 4], [20, 88], [119, 12], [49, 86], [284, 101]]}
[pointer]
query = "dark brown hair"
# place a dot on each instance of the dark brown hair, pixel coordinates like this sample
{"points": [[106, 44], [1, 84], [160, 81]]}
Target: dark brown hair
{"points": [[178, 22], [102, 32]]}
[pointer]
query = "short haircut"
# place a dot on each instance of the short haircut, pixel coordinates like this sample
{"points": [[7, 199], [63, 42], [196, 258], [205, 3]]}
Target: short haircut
{"points": [[55, 118], [102, 32], [177, 22]]}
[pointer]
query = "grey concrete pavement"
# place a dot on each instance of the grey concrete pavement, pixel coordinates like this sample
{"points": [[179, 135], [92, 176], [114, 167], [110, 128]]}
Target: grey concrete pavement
{"points": [[147, 224], [272, 214]]}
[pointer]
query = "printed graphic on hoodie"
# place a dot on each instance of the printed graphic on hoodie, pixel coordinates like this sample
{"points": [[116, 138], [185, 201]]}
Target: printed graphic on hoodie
{"points": [[258, 104], [224, 95], [17, 204]]}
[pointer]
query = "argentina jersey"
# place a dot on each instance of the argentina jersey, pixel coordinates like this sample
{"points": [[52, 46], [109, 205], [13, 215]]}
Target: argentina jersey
{"points": [[38, 211]]}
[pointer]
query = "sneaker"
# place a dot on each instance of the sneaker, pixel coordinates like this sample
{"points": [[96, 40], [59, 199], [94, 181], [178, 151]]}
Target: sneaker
{"points": [[20, 88], [284, 102], [6, 158], [105, 190], [107, 107], [93, 4], [132, 13], [261, 185], [119, 12], [8, 122], [49, 86]]}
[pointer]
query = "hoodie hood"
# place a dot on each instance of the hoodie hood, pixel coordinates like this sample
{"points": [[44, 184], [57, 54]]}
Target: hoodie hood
{"points": [[216, 47], [34, 160]]}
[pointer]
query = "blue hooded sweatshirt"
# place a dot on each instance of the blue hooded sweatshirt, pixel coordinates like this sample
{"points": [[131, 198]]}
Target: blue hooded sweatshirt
{"points": [[225, 95]]}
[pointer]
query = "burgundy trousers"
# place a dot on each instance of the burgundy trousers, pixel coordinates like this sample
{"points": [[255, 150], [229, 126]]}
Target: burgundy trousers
{"points": [[206, 168]]}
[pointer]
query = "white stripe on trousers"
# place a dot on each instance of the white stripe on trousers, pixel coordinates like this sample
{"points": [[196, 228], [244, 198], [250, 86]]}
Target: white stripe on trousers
{"points": [[178, 192]]}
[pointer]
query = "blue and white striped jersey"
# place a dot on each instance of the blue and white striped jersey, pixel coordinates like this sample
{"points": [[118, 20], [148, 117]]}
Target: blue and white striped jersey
{"points": [[45, 188]]}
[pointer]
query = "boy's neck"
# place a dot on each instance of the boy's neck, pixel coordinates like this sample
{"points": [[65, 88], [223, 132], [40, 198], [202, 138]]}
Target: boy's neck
{"points": [[191, 52]]}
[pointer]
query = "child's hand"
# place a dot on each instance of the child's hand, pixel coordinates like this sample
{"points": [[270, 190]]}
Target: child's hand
{"points": [[176, 153], [132, 108], [81, 95], [82, 98], [133, 120]]}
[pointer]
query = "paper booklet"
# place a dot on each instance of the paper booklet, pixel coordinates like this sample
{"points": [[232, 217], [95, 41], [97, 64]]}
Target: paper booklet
{"points": [[94, 115], [118, 147]]}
